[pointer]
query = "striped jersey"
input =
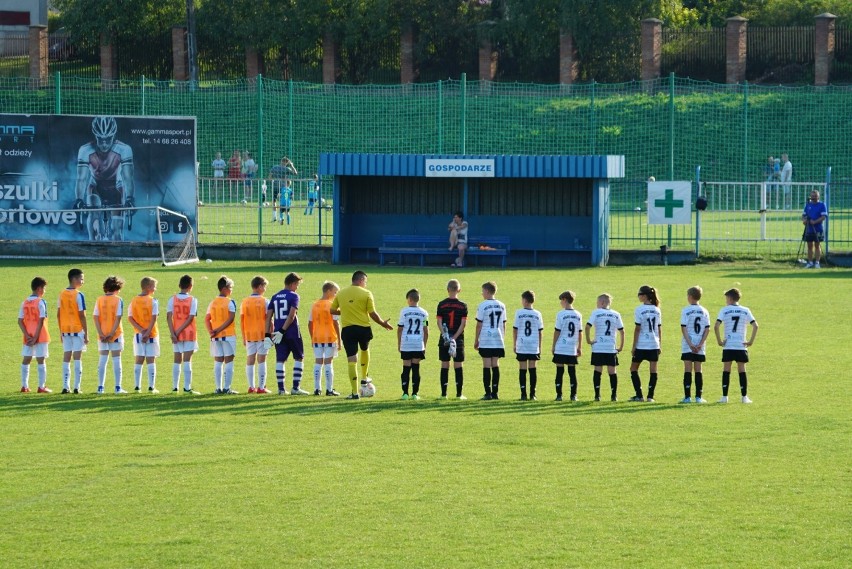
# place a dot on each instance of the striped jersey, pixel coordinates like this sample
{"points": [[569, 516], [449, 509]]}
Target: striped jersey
{"points": [[695, 320], [735, 318], [413, 322], [529, 324], [569, 324], [33, 309], [71, 303], [492, 314], [605, 323], [109, 309], [253, 318], [649, 319]]}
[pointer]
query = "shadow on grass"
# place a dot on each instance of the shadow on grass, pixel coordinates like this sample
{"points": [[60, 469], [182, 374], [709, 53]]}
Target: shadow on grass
{"points": [[180, 404]]}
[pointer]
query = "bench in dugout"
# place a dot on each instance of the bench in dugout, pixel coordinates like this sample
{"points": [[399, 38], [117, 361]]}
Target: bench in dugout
{"points": [[422, 245]]}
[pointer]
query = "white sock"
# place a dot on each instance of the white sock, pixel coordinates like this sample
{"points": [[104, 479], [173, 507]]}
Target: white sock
{"points": [[187, 375], [329, 377], [42, 375], [175, 376], [78, 373], [229, 374], [217, 375], [66, 375], [152, 375], [250, 375], [317, 376], [116, 371], [102, 362], [261, 375], [137, 375], [25, 375]]}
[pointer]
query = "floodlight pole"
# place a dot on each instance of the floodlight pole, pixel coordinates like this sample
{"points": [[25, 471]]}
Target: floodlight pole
{"points": [[697, 211]]}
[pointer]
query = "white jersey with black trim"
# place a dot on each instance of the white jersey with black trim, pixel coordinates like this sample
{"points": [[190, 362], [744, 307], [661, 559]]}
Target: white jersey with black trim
{"points": [[735, 319], [569, 324], [695, 320], [529, 324], [605, 323], [413, 321], [649, 319], [492, 314]]}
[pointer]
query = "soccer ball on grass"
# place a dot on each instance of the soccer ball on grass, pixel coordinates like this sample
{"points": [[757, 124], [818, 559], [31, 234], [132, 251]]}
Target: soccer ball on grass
{"points": [[367, 389]]}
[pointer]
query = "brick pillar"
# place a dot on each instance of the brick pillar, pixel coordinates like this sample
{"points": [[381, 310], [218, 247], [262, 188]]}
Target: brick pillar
{"points": [[180, 61], [735, 49], [569, 63], [487, 61], [330, 60], [823, 48], [254, 64], [109, 61], [38, 55], [406, 55], [652, 48]]}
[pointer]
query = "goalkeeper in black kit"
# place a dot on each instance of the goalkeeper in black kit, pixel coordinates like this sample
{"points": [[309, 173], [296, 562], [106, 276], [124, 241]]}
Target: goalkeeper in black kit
{"points": [[105, 181], [452, 319]]}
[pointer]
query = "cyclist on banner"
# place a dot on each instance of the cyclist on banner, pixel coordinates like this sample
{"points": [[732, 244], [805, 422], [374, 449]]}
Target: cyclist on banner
{"points": [[105, 180]]}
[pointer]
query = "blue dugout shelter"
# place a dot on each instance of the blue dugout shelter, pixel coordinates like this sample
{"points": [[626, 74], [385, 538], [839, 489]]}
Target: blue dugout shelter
{"points": [[554, 209]]}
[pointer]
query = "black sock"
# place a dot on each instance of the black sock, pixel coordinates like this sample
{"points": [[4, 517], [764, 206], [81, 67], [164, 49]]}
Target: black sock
{"points": [[415, 378], [652, 385], [486, 380], [459, 380], [572, 377], [495, 381], [596, 383], [533, 380], [522, 380], [613, 384], [699, 384], [560, 372], [406, 372], [726, 379], [637, 383], [445, 379], [744, 384], [687, 384]]}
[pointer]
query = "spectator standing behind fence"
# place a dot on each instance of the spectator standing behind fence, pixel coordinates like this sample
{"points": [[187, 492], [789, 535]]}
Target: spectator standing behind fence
{"points": [[786, 181], [219, 166], [813, 216], [278, 173], [235, 164], [769, 169]]}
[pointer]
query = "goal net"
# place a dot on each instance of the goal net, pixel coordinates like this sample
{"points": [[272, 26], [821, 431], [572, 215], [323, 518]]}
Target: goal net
{"points": [[124, 233]]}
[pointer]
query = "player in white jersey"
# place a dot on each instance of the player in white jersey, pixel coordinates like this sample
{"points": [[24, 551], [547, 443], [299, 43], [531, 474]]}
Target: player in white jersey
{"points": [[695, 327], [412, 333], [490, 331], [734, 319], [526, 335], [606, 342], [647, 337], [567, 343]]}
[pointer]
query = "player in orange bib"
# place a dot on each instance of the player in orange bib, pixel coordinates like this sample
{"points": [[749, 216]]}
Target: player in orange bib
{"points": [[32, 320], [324, 329], [109, 309], [180, 316], [71, 315], [254, 328], [142, 315], [223, 336]]}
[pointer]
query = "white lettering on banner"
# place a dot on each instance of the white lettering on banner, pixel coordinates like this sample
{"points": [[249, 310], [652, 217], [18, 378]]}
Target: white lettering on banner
{"points": [[459, 167], [23, 216], [37, 191]]}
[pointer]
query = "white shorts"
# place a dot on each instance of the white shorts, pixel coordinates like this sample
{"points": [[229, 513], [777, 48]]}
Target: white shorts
{"points": [[73, 342], [116, 346], [187, 346], [223, 347], [258, 348], [147, 349], [37, 351], [323, 351]]}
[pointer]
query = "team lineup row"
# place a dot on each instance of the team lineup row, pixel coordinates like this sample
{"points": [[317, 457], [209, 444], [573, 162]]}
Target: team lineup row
{"points": [[341, 319]]}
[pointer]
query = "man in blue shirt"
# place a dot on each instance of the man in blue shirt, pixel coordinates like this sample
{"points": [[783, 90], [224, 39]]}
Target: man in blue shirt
{"points": [[813, 216]]}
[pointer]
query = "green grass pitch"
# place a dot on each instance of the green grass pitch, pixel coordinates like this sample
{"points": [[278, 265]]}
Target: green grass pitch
{"points": [[268, 481]]}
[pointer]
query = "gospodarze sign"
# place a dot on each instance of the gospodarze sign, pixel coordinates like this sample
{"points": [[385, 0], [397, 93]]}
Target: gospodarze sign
{"points": [[86, 163], [459, 167]]}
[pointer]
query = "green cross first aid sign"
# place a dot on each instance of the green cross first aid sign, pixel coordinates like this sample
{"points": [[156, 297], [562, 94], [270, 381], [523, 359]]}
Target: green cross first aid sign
{"points": [[669, 203]]}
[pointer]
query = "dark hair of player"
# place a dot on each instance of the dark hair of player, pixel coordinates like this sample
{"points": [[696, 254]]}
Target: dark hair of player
{"points": [[113, 283], [568, 295], [224, 282], [413, 294], [37, 283], [490, 286], [291, 278], [529, 296], [74, 273], [650, 293], [695, 292], [734, 294], [185, 282], [258, 281]]}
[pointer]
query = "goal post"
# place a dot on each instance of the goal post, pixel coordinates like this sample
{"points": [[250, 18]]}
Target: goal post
{"points": [[183, 251]]}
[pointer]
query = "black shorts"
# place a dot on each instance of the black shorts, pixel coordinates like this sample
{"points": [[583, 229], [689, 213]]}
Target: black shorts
{"points": [[527, 357], [646, 355], [444, 351], [690, 357], [492, 352], [814, 236], [354, 337], [599, 359], [412, 355], [740, 356], [560, 359]]}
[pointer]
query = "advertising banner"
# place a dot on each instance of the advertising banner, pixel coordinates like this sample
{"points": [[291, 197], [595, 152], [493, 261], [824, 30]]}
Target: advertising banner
{"points": [[90, 164]]}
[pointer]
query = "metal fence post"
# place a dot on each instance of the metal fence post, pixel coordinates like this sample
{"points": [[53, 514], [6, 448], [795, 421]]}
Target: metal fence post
{"points": [[697, 213], [671, 142], [143, 95], [592, 118], [57, 94], [827, 198], [260, 155], [440, 121], [744, 175], [463, 111]]}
